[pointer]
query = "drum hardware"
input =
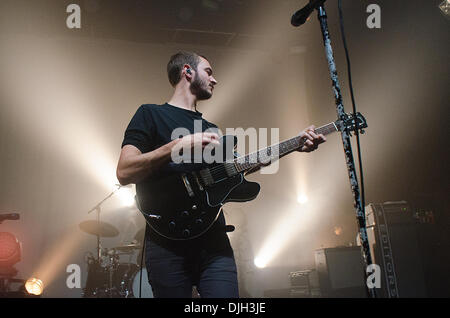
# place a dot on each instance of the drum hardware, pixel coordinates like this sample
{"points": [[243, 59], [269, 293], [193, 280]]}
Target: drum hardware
{"points": [[146, 289], [117, 280], [107, 276], [102, 269], [101, 228], [129, 247]]}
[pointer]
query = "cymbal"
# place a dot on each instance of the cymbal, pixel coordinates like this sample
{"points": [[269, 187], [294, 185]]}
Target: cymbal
{"points": [[99, 228], [128, 247]]}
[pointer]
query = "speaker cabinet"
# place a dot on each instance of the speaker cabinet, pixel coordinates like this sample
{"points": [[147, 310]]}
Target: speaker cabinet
{"points": [[393, 238], [341, 272]]}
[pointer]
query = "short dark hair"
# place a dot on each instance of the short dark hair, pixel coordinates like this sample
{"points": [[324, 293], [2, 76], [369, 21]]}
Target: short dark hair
{"points": [[177, 62]]}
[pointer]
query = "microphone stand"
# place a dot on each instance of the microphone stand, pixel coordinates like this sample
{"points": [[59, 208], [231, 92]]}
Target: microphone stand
{"points": [[360, 214]]}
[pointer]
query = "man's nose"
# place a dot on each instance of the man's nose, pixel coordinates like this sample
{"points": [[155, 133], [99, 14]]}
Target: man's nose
{"points": [[213, 80]]}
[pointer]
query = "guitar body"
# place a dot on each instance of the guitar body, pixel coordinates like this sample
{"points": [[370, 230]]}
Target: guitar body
{"points": [[180, 206]]}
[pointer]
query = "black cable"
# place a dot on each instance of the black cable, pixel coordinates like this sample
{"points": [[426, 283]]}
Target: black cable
{"points": [[349, 72], [141, 269]]}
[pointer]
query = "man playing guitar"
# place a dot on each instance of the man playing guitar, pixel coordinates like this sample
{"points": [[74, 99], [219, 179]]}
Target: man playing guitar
{"points": [[206, 261]]}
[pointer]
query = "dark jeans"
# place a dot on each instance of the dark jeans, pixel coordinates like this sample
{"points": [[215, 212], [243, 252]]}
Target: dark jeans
{"points": [[209, 264]]}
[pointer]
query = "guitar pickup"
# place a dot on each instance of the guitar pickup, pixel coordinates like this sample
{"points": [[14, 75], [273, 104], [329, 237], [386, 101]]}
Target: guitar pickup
{"points": [[206, 177]]}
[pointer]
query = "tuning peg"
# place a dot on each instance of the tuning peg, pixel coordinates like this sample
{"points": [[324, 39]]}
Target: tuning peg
{"points": [[362, 131]]}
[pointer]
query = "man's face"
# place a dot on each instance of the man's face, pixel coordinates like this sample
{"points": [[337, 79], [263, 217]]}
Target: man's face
{"points": [[202, 85]]}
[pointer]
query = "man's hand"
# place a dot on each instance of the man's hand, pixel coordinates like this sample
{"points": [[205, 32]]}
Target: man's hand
{"points": [[311, 140], [190, 142], [199, 140], [134, 166]]}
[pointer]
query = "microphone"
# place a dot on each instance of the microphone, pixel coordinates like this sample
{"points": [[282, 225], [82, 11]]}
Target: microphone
{"points": [[11, 216], [300, 17]]}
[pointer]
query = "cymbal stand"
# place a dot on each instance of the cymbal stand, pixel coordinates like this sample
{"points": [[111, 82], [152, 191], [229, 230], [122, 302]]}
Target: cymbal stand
{"points": [[97, 208]]}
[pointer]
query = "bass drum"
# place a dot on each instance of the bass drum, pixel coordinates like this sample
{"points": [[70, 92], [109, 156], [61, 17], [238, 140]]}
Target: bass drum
{"points": [[146, 291]]}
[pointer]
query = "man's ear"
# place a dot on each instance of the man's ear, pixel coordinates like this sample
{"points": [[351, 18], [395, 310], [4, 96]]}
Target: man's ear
{"points": [[188, 71]]}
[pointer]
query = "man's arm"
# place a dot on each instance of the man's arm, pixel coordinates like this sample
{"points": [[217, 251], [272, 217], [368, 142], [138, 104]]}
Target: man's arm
{"points": [[134, 166]]}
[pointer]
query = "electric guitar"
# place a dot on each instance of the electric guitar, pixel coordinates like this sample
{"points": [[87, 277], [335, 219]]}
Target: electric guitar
{"points": [[183, 206]]}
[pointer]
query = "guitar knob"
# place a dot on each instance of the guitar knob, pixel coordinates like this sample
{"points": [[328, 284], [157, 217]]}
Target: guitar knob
{"points": [[199, 222], [194, 207], [185, 214], [172, 225], [186, 233]]}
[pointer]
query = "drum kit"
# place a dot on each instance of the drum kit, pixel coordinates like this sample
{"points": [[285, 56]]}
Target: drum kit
{"points": [[108, 277]]}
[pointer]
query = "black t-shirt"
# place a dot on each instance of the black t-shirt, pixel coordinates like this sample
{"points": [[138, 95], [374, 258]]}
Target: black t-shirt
{"points": [[152, 127]]}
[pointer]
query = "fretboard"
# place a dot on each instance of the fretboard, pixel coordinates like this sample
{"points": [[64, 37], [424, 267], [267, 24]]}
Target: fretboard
{"points": [[269, 154]]}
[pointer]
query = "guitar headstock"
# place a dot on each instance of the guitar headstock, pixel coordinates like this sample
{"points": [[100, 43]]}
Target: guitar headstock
{"points": [[353, 123]]}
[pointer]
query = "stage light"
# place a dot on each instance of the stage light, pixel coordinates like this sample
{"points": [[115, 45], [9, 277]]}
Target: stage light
{"points": [[292, 223], [302, 198], [337, 230], [9, 250], [57, 255], [260, 262], [126, 195], [277, 240], [34, 286], [445, 8]]}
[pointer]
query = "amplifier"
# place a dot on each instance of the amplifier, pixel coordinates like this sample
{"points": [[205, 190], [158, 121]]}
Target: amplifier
{"points": [[397, 212], [394, 246], [341, 272], [300, 278]]}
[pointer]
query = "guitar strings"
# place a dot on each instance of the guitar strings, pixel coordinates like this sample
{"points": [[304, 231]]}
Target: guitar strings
{"points": [[221, 168], [259, 154]]}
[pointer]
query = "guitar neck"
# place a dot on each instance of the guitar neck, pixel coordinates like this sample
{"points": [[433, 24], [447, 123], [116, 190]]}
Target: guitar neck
{"points": [[274, 152]]}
